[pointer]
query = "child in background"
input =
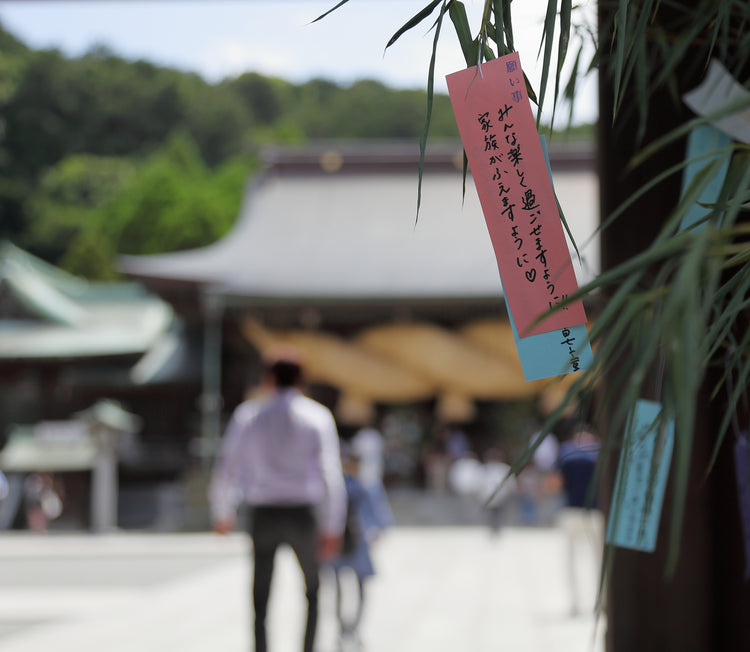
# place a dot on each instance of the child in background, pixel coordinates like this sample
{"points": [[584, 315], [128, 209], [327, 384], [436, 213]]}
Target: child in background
{"points": [[364, 524]]}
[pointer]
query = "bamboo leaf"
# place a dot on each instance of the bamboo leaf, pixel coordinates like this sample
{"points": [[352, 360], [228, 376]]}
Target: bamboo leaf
{"points": [[498, 10], [548, 36], [738, 178], [610, 315], [508, 23], [635, 64], [569, 92], [330, 11], [721, 26], [641, 75], [460, 21], [489, 55], [680, 47], [413, 22], [645, 188], [464, 174], [430, 98], [567, 227], [530, 90], [566, 6], [619, 34], [736, 106], [737, 391]]}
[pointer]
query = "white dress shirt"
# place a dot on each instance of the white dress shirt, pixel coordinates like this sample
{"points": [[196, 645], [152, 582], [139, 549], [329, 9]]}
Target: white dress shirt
{"points": [[281, 450]]}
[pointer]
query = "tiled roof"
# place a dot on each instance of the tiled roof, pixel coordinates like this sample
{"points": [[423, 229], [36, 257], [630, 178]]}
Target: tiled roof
{"points": [[339, 221], [46, 313]]}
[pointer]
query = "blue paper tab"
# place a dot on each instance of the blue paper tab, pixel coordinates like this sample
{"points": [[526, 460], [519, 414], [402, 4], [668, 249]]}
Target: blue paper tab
{"points": [[557, 352], [553, 354], [641, 479], [703, 147]]}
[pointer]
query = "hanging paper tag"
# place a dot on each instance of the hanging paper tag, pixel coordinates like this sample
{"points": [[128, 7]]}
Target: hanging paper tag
{"points": [[703, 147], [507, 164], [716, 92], [641, 479], [555, 353], [742, 469]]}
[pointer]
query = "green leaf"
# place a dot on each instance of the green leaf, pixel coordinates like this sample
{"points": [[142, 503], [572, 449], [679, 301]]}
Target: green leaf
{"points": [[569, 92], [460, 21], [464, 174], [633, 48], [619, 35], [499, 10], [430, 98], [330, 11], [546, 42], [530, 90], [413, 22], [566, 7], [508, 23], [567, 227]]}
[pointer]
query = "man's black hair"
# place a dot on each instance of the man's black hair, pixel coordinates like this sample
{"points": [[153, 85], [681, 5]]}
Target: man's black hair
{"points": [[285, 373]]}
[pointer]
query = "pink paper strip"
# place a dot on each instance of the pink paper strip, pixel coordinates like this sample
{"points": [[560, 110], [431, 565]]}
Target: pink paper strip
{"points": [[507, 164]]}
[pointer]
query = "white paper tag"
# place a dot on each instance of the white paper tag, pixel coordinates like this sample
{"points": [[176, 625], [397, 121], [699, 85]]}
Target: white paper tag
{"points": [[717, 91]]}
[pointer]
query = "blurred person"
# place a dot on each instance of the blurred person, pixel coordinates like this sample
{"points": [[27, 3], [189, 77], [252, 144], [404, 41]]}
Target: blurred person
{"points": [[435, 463], [465, 476], [546, 453], [368, 446], [42, 501], [457, 445], [539, 482], [364, 524], [580, 518], [280, 454], [465, 479], [497, 487]]}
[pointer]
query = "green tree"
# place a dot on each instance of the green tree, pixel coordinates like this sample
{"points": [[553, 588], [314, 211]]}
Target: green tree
{"points": [[88, 105], [91, 208], [367, 109], [174, 201], [264, 97], [217, 119], [90, 255], [67, 199], [13, 57]]}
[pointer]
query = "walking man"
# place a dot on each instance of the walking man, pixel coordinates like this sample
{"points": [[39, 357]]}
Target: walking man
{"points": [[280, 454]]}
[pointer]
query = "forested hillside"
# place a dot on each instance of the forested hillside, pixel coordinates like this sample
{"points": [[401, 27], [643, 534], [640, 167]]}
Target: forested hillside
{"points": [[100, 155]]}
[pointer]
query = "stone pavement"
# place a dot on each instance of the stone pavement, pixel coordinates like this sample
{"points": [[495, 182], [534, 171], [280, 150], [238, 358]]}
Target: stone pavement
{"points": [[438, 589]]}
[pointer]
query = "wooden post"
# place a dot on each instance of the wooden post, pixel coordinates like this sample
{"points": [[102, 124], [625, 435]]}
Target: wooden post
{"points": [[705, 605]]}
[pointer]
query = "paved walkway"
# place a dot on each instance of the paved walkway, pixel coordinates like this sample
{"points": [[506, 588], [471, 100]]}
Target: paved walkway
{"points": [[438, 589]]}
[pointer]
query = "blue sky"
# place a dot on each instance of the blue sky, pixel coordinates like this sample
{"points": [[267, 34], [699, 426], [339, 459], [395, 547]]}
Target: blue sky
{"points": [[220, 38]]}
